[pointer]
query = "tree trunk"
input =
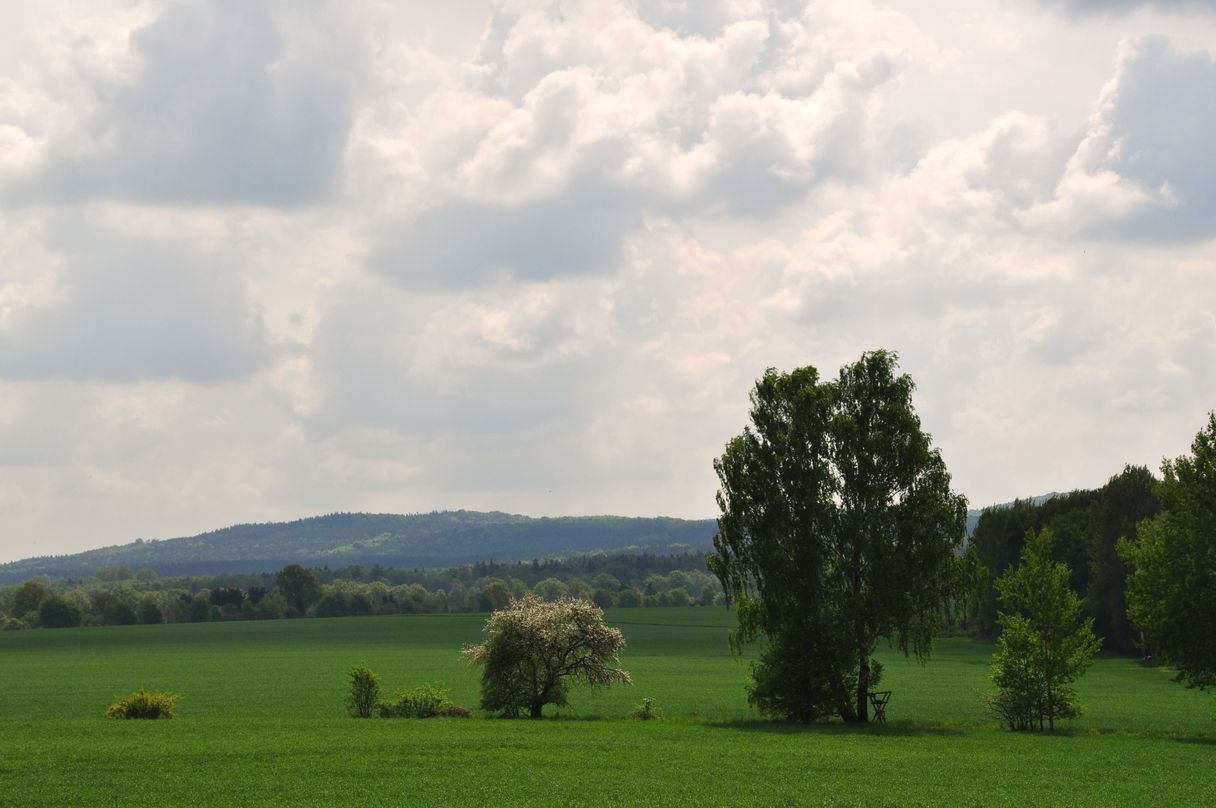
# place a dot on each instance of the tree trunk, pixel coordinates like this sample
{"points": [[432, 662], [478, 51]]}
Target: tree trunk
{"points": [[537, 706], [863, 688]]}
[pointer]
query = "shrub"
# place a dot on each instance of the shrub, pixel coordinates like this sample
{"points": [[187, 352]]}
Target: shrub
{"points": [[424, 701], [142, 704], [363, 691], [58, 612], [455, 711], [648, 710]]}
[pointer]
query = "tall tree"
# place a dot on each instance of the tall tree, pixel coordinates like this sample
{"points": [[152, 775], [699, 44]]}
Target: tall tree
{"points": [[298, 586], [837, 530], [1044, 646], [1172, 590], [1127, 499]]}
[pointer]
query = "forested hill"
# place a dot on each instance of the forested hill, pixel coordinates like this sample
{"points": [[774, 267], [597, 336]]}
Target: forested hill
{"points": [[439, 539]]}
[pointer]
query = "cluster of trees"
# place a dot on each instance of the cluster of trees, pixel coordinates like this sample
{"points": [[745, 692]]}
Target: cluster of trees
{"points": [[117, 596], [838, 529], [1087, 526]]}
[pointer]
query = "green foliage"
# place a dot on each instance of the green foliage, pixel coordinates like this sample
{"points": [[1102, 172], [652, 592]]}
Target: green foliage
{"points": [[145, 704], [1172, 591], [648, 710], [1126, 500], [628, 598], [149, 610], [362, 691], [970, 585], [423, 701], [298, 586], [58, 612], [200, 609], [27, 598], [534, 649], [114, 610], [1088, 526], [838, 528], [1044, 645]]}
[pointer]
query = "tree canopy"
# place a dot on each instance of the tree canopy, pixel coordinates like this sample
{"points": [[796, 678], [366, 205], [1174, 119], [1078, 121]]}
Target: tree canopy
{"points": [[837, 529], [1044, 646], [534, 649], [1172, 590]]}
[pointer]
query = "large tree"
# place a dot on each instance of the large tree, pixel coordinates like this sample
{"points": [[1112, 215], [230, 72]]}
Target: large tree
{"points": [[1171, 592], [534, 649], [837, 530]]}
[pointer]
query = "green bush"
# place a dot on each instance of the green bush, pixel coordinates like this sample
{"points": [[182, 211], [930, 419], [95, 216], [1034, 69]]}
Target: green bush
{"points": [[648, 710], [142, 704], [58, 612], [363, 691], [424, 701]]}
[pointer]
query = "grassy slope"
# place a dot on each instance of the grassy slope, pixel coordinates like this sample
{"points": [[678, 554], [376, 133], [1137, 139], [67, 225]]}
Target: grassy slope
{"points": [[262, 722]]}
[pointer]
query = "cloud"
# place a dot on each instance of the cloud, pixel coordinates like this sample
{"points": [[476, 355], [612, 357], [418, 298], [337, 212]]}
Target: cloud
{"points": [[572, 129], [1143, 170], [123, 310], [1082, 7], [220, 110]]}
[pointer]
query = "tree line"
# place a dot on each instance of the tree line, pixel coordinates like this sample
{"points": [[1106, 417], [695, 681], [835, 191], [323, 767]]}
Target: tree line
{"points": [[118, 596]]}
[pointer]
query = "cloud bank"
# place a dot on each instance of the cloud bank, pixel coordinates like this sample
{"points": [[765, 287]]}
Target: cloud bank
{"points": [[266, 259]]}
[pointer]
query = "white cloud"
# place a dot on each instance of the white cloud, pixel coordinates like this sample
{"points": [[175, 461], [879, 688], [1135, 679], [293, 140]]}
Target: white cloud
{"points": [[1143, 169], [217, 107], [106, 308], [265, 260]]}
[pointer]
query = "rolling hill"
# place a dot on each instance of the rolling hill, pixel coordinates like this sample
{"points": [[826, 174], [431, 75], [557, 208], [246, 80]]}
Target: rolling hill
{"points": [[438, 539]]}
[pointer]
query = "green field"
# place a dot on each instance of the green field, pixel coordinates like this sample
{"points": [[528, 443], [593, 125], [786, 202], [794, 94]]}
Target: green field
{"points": [[262, 722]]}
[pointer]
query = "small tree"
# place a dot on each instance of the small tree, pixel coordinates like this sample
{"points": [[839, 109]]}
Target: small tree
{"points": [[363, 691], [1043, 646], [533, 649]]}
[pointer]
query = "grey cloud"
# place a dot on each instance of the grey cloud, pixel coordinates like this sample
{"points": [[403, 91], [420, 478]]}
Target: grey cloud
{"points": [[128, 312], [393, 359], [219, 113], [1164, 125], [464, 243], [1124, 6]]}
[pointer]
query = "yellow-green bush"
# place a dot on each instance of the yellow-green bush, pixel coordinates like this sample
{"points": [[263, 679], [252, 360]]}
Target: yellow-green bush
{"points": [[424, 701], [144, 704]]}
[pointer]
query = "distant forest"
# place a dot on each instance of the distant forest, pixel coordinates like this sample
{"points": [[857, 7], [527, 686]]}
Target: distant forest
{"points": [[438, 539], [1087, 524], [120, 596]]}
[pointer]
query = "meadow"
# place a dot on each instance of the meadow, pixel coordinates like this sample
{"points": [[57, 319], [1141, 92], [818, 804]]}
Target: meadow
{"points": [[262, 722]]}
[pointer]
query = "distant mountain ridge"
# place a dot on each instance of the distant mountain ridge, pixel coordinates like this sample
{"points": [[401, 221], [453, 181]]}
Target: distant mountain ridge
{"points": [[437, 539]]}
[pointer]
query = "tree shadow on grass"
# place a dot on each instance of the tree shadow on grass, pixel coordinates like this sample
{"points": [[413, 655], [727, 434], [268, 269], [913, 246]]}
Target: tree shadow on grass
{"points": [[893, 730], [1201, 740]]}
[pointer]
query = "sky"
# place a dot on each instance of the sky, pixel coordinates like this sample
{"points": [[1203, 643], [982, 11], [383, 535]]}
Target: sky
{"points": [[263, 260]]}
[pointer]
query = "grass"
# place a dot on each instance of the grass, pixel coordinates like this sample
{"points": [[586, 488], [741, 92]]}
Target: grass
{"points": [[262, 721]]}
